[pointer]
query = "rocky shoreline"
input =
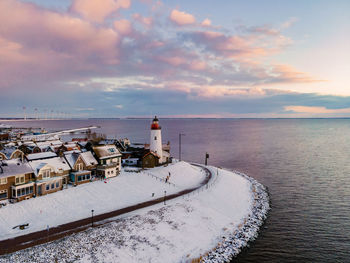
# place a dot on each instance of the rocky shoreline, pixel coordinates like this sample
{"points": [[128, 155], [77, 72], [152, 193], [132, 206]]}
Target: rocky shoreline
{"points": [[232, 244]]}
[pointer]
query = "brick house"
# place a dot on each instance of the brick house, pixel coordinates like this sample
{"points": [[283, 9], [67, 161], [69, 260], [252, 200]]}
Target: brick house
{"points": [[51, 175], [17, 180]]}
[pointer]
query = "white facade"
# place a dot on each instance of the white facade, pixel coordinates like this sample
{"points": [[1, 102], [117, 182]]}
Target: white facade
{"points": [[156, 142]]}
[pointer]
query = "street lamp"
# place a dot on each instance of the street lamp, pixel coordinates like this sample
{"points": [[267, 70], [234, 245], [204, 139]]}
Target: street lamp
{"points": [[92, 218], [180, 134], [164, 197]]}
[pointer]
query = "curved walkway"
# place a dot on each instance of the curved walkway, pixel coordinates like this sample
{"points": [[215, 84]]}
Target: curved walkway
{"points": [[40, 237]]}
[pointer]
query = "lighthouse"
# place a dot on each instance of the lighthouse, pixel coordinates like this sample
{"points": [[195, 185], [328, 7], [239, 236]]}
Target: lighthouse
{"points": [[156, 138]]}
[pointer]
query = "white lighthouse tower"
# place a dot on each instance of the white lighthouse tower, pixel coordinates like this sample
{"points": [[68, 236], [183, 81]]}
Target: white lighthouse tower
{"points": [[156, 138]]}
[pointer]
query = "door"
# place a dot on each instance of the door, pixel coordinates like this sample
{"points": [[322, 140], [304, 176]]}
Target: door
{"points": [[39, 190]]}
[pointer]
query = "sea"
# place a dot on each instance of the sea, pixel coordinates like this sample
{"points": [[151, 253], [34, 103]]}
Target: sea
{"points": [[305, 163]]}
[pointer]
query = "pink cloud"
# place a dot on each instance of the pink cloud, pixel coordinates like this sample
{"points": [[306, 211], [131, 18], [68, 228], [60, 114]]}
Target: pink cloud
{"points": [[288, 74], [146, 21], [123, 26], [39, 43], [181, 18], [198, 65], [206, 22], [315, 109], [98, 10]]}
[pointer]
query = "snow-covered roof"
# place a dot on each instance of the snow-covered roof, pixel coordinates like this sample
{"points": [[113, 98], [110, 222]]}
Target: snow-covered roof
{"points": [[72, 151], [49, 143], [88, 158], [58, 163], [42, 155], [106, 151], [71, 158], [14, 167]]}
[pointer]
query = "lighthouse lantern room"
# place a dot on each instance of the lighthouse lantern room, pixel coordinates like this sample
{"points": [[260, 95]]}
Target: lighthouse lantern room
{"points": [[156, 138]]}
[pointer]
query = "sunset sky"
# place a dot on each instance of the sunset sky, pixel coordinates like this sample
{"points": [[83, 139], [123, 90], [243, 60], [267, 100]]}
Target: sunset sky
{"points": [[130, 58]]}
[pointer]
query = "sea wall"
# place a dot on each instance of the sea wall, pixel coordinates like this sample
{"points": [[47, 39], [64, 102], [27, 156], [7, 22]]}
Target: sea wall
{"points": [[232, 244]]}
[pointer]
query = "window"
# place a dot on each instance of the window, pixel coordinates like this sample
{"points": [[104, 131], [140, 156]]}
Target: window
{"points": [[20, 179], [46, 174], [88, 177], [155, 138], [22, 192], [53, 186], [79, 166], [47, 187], [79, 178], [3, 194], [3, 180], [57, 184]]}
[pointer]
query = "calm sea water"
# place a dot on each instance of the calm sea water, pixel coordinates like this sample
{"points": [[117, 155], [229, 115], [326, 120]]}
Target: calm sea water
{"points": [[305, 163]]}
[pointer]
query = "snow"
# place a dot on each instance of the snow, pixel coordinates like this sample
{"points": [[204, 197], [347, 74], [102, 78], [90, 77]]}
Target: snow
{"points": [[213, 223], [42, 155], [58, 163], [14, 167], [76, 203], [88, 158]]}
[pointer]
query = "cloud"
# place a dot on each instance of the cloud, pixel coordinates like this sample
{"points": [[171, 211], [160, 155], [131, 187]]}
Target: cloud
{"points": [[146, 21], [40, 44], [289, 22], [206, 22], [119, 106], [286, 73], [98, 10], [315, 109], [123, 26], [181, 18]]}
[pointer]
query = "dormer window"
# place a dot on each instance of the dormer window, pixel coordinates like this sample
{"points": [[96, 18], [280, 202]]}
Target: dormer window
{"points": [[79, 166], [46, 174]]}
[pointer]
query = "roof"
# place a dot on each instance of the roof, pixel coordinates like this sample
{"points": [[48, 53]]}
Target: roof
{"points": [[152, 153], [14, 167], [71, 158], [8, 151], [88, 158], [58, 163], [106, 151], [42, 155]]}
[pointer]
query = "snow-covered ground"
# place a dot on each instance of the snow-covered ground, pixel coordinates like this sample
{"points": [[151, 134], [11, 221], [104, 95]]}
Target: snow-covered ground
{"points": [[213, 223], [75, 203]]}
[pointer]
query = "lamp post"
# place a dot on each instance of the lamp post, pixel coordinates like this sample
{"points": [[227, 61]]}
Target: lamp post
{"points": [[164, 197], [180, 134], [206, 158], [92, 218]]}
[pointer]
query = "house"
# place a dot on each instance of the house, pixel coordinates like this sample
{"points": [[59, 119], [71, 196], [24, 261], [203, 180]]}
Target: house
{"points": [[51, 175], [109, 160], [66, 147], [83, 166], [29, 148], [11, 153], [150, 160], [17, 180]]}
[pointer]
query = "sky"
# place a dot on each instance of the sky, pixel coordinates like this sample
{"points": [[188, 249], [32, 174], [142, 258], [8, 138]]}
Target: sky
{"points": [[138, 58]]}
